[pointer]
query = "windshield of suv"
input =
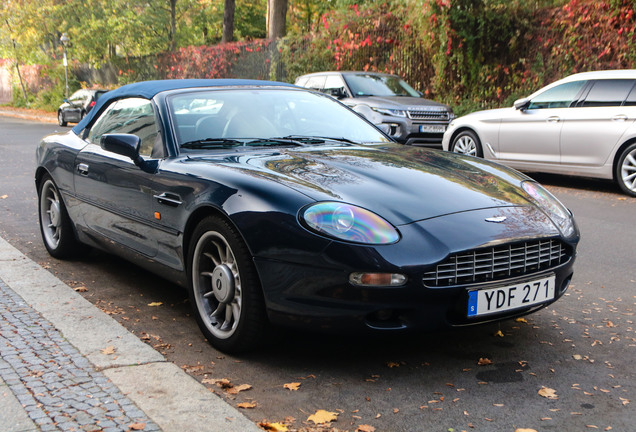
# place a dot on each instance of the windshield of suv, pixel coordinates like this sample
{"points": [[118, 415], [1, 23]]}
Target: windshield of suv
{"points": [[264, 117], [379, 85]]}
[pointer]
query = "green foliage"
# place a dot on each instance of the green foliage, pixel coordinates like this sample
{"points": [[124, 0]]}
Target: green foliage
{"points": [[472, 54]]}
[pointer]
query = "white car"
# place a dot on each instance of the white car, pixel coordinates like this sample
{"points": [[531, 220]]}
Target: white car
{"points": [[582, 125]]}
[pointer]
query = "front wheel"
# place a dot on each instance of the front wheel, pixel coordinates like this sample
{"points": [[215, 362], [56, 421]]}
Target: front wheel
{"points": [[466, 142], [224, 288], [60, 118], [55, 225], [626, 170]]}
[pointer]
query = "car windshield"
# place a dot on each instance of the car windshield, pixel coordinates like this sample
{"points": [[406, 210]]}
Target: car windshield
{"points": [[379, 85], [264, 117]]}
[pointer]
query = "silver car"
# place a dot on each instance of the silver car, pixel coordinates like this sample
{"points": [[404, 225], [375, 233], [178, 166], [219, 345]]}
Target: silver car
{"points": [[581, 125], [388, 102]]}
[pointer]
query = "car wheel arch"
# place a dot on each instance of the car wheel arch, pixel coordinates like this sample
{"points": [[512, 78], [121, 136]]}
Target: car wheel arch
{"points": [[199, 215], [617, 155], [40, 172], [465, 129]]}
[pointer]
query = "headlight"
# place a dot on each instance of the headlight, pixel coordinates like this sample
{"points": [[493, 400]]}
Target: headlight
{"points": [[390, 111], [349, 223], [559, 214]]}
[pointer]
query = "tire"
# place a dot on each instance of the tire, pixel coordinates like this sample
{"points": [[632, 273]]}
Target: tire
{"points": [[55, 225], [466, 142], [60, 118], [626, 170], [225, 291]]}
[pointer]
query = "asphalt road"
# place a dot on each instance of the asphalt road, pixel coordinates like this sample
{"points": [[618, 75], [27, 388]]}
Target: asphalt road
{"points": [[581, 350]]}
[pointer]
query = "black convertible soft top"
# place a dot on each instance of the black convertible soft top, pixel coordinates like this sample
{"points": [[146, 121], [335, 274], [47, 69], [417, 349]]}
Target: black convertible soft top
{"points": [[148, 89]]}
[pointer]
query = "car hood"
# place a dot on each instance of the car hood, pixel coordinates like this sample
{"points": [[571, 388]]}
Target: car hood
{"points": [[399, 102], [488, 115], [402, 184]]}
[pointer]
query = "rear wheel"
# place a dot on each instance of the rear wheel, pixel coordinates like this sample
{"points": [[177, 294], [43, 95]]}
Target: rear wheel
{"points": [[466, 142], [626, 170], [224, 288], [60, 118], [55, 225]]}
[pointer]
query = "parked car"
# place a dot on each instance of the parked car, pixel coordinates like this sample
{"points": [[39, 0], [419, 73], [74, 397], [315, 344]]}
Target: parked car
{"points": [[284, 206], [77, 106], [582, 125], [386, 101]]}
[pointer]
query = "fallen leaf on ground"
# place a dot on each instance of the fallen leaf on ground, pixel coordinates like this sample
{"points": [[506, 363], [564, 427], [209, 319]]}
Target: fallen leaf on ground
{"points": [[484, 362], [246, 405], [365, 428], [274, 427], [499, 333], [224, 383], [292, 386], [108, 350], [322, 416], [392, 364], [80, 289], [4, 196], [239, 388], [577, 357], [522, 320], [525, 430], [137, 426], [155, 304], [547, 392]]}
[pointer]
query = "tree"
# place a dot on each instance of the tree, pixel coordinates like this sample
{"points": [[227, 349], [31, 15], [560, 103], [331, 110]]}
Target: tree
{"points": [[276, 18], [228, 21]]}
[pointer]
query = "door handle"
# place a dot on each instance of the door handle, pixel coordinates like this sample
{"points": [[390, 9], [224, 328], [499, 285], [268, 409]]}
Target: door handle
{"points": [[619, 117], [168, 199], [82, 169], [554, 119]]}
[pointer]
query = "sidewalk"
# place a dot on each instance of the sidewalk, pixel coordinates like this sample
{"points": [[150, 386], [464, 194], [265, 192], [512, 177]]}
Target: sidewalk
{"points": [[28, 114], [65, 365]]}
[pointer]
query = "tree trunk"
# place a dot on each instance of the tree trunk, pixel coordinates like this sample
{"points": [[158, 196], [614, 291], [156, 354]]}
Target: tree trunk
{"points": [[228, 21], [173, 25], [276, 18], [17, 64]]}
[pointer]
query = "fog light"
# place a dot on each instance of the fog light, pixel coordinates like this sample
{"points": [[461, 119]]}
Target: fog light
{"points": [[377, 279]]}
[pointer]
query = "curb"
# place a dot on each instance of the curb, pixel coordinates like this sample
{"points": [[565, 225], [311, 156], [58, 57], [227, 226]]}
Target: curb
{"points": [[167, 395], [27, 114]]}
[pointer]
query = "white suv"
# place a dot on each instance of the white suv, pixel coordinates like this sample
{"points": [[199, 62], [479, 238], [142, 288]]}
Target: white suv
{"points": [[583, 125]]}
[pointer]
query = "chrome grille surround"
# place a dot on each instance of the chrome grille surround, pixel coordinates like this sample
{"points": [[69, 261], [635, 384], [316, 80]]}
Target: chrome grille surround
{"points": [[499, 262], [428, 114]]}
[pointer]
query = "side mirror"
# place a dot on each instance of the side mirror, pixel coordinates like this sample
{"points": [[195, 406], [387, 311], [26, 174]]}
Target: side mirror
{"points": [[521, 104], [128, 145], [338, 93], [122, 144]]}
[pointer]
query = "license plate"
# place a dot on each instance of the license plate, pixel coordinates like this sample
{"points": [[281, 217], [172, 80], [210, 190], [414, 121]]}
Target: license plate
{"points": [[493, 300], [433, 128]]}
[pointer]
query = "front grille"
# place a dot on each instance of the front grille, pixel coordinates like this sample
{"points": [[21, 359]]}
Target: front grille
{"points": [[501, 262], [428, 115]]}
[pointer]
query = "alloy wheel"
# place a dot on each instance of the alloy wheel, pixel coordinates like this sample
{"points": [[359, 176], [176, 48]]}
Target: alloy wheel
{"points": [[628, 171], [217, 285]]}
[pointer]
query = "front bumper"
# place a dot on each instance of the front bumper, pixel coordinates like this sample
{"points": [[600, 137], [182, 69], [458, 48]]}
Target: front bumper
{"points": [[315, 291]]}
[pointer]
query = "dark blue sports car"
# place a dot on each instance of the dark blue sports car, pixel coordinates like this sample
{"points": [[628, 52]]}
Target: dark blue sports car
{"points": [[275, 204]]}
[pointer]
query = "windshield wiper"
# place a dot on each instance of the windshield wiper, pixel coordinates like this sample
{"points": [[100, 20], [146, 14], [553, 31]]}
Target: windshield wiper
{"points": [[317, 139], [341, 139], [303, 139], [286, 141], [211, 143]]}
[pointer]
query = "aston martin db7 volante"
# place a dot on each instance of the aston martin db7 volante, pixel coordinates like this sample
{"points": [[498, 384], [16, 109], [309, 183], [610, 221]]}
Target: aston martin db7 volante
{"points": [[274, 204]]}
